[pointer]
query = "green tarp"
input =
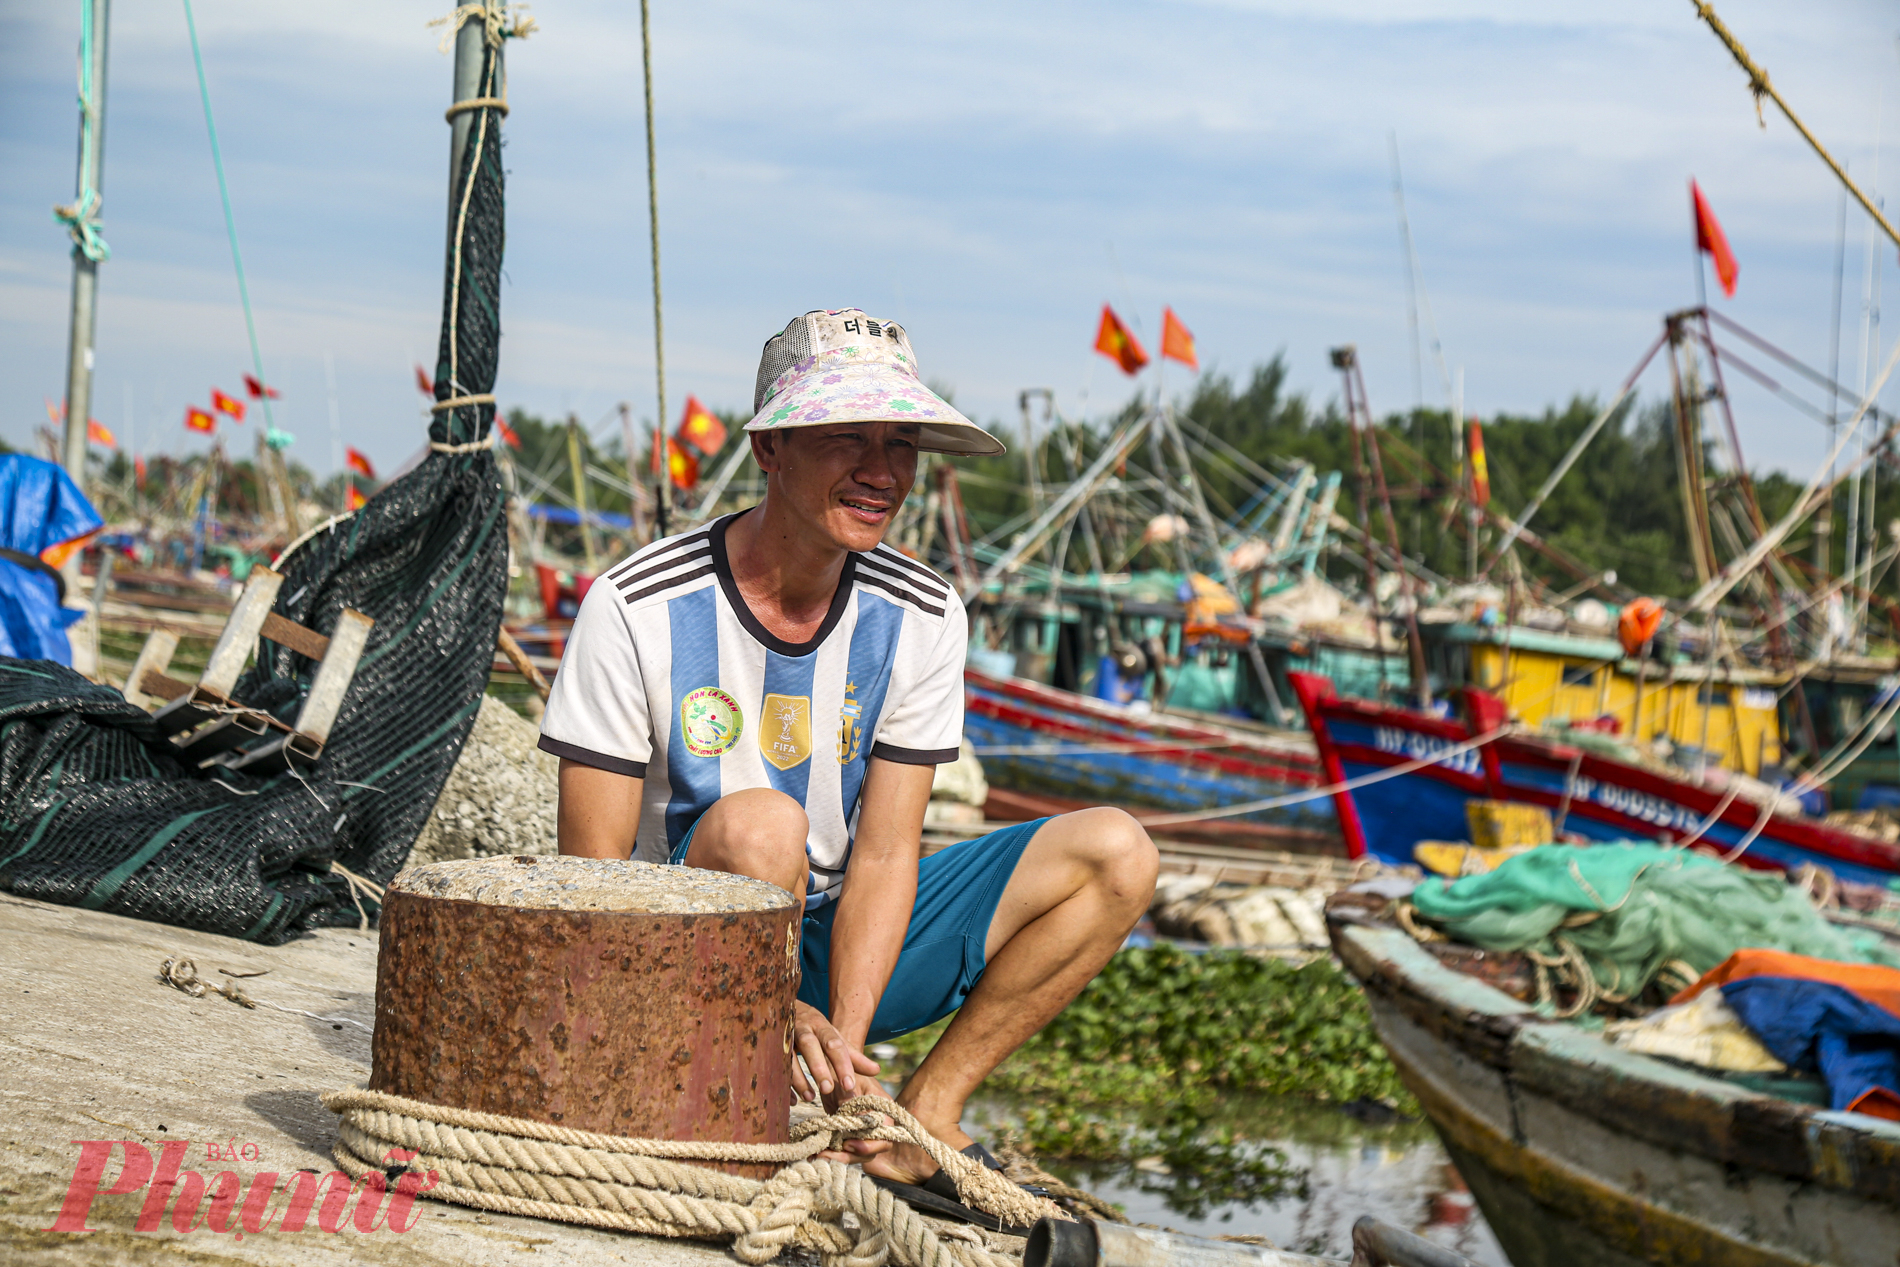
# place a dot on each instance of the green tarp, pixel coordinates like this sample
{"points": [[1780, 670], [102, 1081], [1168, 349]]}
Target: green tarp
{"points": [[1632, 908]]}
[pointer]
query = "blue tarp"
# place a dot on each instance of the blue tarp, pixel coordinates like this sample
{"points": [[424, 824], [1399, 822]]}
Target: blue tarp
{"points": [[564, 515], [1825, 1028], [40, 507]]}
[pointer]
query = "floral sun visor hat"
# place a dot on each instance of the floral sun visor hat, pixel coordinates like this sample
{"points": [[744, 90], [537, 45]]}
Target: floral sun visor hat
{"points": [[843, 366]]}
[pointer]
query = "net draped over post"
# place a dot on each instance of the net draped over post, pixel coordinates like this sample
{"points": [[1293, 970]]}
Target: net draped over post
{"points": [[98, 811]]}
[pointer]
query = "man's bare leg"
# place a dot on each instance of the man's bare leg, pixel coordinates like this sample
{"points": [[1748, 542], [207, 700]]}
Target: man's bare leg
{"points": [[759, 832], [1084, 880]]}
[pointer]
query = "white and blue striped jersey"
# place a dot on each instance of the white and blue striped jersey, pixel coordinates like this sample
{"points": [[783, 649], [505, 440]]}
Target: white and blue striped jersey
{"points": [[670, 678]]}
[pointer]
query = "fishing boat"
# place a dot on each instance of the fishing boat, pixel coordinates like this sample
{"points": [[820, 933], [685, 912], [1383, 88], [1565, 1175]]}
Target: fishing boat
{"points": [[1035, 739], [1405, 775], [1580, 1152]]}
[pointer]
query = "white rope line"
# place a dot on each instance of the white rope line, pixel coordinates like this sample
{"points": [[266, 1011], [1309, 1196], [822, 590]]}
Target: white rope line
{"points": [[1111, 749], [473, 446], [476, 103], [456, 402], [1331, 789], [520, 1166]]}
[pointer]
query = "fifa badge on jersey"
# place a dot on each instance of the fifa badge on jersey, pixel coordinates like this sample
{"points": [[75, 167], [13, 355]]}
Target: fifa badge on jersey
{"points": [[710, 722], [785, 734], [850, 726]]}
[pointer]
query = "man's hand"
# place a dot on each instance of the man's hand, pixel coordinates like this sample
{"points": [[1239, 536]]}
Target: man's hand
{"points": [[833, 1061]]}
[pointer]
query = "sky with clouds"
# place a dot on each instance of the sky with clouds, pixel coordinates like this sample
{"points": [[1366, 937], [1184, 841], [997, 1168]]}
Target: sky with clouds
{"points": [[988, 174]]}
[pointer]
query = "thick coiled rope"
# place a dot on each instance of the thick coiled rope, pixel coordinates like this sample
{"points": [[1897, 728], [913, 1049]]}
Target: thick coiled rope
{"points": [[516, 1166]]}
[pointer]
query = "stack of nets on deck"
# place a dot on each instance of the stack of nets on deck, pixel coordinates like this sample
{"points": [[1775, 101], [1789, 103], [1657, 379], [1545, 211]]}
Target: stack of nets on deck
{"points": [[97, 812], [1611, 921]]}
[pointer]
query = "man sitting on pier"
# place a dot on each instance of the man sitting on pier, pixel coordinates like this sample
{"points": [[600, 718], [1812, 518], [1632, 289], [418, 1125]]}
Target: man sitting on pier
{"points": [[694, 714]]}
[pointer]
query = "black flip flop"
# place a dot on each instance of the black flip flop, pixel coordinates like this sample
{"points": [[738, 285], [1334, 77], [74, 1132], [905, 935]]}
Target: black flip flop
{"points": [[938, 1195]]}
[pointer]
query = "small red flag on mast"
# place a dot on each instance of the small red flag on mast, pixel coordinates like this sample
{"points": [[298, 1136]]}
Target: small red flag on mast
{"points": [[1114, 341], [699, 428], [1176, 341], [1710, 238], [1480, 471], [226, 405], [357, 461]]}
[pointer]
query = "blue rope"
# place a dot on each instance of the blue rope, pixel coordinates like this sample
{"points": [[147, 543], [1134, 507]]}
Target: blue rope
{"points": [[230, 224], [80, 218]]}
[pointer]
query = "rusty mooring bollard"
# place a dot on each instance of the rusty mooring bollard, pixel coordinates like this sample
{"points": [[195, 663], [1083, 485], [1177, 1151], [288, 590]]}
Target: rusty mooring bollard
{"points": [[616, 997]]}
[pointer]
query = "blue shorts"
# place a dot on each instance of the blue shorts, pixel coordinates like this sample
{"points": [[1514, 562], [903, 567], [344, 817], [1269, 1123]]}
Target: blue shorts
{"points": [[942, 959]]}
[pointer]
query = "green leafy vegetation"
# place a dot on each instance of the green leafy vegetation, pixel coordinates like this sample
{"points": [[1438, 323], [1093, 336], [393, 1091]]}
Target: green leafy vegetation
{"points": [[1144, 1061]]}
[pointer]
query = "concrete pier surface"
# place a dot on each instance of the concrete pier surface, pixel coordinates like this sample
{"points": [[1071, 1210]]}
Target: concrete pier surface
{"points": [[97, 1048]]}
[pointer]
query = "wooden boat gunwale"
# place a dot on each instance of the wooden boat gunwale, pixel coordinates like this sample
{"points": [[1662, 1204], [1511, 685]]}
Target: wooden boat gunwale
{"points": [[1628, 1096]]}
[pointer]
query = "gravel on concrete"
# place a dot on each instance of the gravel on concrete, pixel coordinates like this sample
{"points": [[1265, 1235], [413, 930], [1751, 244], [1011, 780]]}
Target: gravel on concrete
{"points": [[500, 798]]}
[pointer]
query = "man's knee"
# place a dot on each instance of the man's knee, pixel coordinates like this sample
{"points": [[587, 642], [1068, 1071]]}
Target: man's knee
{"points": [[1117, 848], [759, 830]]}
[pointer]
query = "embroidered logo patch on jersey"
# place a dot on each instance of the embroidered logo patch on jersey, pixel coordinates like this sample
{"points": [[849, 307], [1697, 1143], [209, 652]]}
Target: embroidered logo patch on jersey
{"points": [[850, 726], [785, 731], [710, 721]]}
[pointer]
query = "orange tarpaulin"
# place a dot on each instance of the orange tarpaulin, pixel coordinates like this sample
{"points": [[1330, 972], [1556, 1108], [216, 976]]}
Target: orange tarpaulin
{"points": [[1114, 341], [1879, 986]]}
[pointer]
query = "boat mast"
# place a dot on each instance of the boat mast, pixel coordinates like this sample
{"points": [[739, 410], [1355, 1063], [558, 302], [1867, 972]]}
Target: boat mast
{"points": [[89, 249]]}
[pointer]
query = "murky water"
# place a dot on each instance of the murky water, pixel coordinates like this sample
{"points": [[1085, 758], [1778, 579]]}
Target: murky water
{"points": [[1298, 1174]]}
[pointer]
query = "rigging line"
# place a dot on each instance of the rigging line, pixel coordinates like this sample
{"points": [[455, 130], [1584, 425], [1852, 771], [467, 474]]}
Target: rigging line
{"points": [[230, 222], [81, 218], [1331, 789], [1576, 451], [1711, 592], [1830, 382], [1794, 401], [1759, 85]]}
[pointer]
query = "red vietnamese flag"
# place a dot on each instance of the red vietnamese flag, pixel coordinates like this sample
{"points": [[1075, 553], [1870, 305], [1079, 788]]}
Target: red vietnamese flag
{"points": [[507, 433], [358, 462], [681, 465], [226, 405], [97, 434], [1114, 341], [197, 419], [700, 429], [423, 384], [1480, 472], [1710, 238], [354, 500], [138, 468], [1176, 341], [258, 390]]}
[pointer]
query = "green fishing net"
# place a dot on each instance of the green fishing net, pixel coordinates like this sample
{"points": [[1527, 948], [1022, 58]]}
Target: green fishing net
{"points": [[1631, 909]]}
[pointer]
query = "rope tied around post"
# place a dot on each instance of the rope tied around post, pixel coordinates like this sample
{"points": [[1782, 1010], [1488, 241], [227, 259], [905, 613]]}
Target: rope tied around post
{"points": [[500, 22], [518, 1166]]}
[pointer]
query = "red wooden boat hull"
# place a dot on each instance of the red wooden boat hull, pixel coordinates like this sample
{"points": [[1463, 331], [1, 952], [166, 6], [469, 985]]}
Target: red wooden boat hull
{"points": [[1609, 799], [1040, 741]]}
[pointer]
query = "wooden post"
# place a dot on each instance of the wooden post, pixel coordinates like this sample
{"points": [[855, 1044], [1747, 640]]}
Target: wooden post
{"points": [[616, 997]]}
